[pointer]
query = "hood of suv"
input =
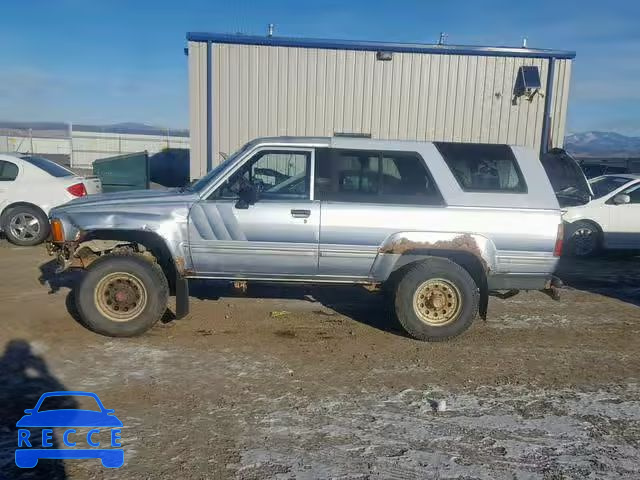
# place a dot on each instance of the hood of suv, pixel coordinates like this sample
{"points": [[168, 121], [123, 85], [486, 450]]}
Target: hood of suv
{"points": [[130, 197]]}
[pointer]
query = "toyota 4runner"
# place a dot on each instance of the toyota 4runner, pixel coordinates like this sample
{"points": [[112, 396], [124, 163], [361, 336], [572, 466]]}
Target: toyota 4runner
{"points": [[438, 225]]}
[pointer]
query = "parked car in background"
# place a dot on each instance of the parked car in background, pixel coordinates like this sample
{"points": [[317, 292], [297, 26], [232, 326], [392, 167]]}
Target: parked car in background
{"points": [[438, 225], [30, 186], [610, 221]]}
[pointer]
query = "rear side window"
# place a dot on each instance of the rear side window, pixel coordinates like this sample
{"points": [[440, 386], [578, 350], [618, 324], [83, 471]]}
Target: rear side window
{"points": [[52, 168], [374, 177], [8, 171], [483, 168]]}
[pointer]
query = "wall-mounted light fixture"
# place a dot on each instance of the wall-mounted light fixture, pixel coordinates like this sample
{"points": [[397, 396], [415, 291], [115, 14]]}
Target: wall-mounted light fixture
{"points": [[384, 56]]}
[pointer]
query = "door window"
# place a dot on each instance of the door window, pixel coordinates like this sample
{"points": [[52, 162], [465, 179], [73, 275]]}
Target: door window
{"points": [[374, 177], [276, 174], [8, 171]]}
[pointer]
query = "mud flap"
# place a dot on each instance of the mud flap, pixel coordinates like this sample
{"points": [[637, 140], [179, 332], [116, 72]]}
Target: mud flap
{"points": [[182, 297], [483, 306], [552, 288]]}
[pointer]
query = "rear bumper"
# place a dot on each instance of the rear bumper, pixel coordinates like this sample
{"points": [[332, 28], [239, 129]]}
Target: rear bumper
{"points": [[518, 281]]}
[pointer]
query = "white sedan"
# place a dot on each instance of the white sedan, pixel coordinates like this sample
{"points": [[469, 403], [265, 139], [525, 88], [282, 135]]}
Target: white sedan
{"points": [[30, 186], [611, 220]]}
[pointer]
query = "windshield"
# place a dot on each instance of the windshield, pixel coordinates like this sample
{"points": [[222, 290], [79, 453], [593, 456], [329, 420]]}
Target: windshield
{"points": [[602, 186], [52, 168], [60, 402], [201, 184]]}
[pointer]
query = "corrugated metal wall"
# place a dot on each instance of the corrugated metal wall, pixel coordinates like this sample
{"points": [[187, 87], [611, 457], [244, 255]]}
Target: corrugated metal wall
{"points": [[198, 108], [268, 91], [562, 79]]}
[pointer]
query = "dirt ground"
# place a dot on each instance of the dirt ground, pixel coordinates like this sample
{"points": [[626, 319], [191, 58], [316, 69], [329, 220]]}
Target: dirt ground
{"points": [[321, 383]]}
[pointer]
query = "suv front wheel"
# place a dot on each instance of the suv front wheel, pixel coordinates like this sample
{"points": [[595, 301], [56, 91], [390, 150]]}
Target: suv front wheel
{"points": [[436, 299], [122, 295]]}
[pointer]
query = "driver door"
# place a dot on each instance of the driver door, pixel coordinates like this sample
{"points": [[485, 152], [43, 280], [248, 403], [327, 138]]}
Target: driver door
{"points": [[277, 236], [624, 220]]}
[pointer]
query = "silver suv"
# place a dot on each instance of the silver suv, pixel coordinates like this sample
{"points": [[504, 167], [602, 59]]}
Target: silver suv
{"points": [[440, 226]]}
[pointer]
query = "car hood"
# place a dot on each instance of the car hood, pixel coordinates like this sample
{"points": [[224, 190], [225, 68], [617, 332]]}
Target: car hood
{"points": [[130, 197], [69, 418]]}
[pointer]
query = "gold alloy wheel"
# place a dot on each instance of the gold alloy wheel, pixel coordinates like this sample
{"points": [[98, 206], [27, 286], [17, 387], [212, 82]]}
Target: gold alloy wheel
{"points": [[120, 296], [437, 302]]}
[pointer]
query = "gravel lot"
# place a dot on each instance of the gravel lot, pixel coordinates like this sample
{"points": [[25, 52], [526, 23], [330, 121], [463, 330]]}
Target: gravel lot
{"points": [[321, 383]]}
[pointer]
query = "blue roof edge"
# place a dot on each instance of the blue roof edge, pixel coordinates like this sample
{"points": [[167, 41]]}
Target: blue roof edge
{"points": [[240, 39]]}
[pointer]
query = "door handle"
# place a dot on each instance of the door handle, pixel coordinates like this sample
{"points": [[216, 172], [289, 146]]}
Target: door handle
{"points": [[300, 213]]}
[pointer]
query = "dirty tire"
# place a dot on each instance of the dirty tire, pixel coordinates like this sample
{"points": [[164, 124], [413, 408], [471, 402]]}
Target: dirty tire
{"points": [[33, 233], [141, 275], [585, 239], [445, 276]]}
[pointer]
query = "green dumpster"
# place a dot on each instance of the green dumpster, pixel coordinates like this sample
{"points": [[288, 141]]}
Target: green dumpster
{"points": [[123, 172]]}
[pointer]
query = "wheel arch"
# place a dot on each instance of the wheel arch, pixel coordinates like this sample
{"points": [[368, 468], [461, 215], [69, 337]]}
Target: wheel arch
{"points": [[586, 220], [13, 205], [474, 266], [104, 240]]}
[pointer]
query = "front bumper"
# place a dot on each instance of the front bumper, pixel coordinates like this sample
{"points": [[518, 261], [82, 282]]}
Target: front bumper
{"points": [[63, 253]]}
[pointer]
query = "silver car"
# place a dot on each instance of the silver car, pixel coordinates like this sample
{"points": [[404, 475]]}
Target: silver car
{"points": [[438, 225]]}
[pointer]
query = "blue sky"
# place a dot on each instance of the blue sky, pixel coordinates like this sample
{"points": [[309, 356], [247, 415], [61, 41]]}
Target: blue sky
{"points": [[116, 60]]}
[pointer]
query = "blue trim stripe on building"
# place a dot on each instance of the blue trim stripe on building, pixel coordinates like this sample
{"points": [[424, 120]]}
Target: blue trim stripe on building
{"points": [[546, 121], [377, 46]]}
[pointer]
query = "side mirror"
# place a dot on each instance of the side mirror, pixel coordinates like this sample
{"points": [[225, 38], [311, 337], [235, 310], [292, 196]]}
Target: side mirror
{"points": [[621, 199], [28, 411], [248, 195]]}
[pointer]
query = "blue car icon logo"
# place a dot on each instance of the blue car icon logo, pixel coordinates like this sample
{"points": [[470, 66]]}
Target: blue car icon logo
{"points": [[71, 419]]}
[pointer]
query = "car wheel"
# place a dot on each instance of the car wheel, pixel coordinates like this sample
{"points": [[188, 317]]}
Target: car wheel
{"points": [[122, 295], [436, 299], [25, 225], [584, 240]]}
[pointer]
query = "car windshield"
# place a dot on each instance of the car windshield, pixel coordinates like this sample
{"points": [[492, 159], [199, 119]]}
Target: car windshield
{"points": [[64, 402], [202, 183], [602, 186], [52, 168]]}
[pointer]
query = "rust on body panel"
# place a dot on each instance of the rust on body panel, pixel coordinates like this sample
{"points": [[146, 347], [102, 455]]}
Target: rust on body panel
{"points": [[463, 242]]}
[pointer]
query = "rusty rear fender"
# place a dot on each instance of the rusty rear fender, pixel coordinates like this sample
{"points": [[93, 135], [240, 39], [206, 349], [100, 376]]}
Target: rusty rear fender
{"points": [[402, 248]]}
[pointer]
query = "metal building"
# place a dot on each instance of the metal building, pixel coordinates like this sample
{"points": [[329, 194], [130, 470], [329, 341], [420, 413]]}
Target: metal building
{"points": [[243, 87]]}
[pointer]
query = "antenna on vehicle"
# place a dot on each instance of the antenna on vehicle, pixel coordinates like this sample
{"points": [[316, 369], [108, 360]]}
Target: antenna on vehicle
{"points": [[442, 39], [270, 29], [524, 42]]}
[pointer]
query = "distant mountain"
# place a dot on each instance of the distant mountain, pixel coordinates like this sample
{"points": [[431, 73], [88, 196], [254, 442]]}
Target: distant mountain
{"points": [[62, 129], [132, 127], [602, 144]]}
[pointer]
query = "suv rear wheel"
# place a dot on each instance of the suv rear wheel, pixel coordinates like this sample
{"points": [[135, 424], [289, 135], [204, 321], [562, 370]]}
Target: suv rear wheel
{"points": [[436, 299], [122, 295]]}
